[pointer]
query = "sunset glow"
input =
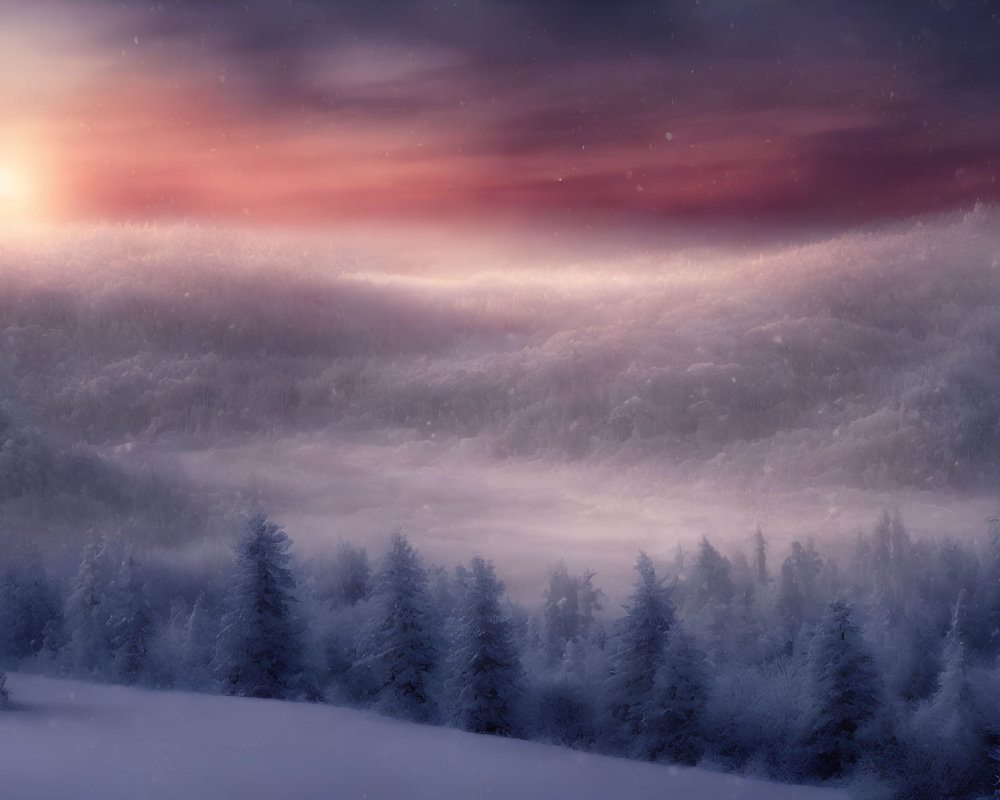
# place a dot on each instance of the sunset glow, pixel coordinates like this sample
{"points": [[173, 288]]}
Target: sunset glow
{"points": [[8, 184], [294, 115], [21, 202]]}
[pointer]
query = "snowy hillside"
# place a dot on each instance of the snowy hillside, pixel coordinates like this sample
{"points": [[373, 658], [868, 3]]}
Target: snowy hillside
{"points": [[71, 739]]}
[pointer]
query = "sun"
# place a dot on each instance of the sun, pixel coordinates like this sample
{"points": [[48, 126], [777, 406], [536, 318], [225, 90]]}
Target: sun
{"points": [[19, 200], [8, 184]]}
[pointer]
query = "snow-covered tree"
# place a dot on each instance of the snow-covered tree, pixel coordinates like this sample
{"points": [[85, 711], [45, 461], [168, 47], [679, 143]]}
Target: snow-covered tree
{"points": [[351, 574], [797, 598], [672, 730], [28, 602], [86, 624], [881, 548], [991, 589], [760, 574], [260, 648], [564, 714], [400, 649], [197, 645], [639, 655], [658, 685], [949, 736], [901, 556], [130, 623], [707, 595], [845, 693], [486, 669], [711, 580], [3, 675], [570, 604], [8, 616]]}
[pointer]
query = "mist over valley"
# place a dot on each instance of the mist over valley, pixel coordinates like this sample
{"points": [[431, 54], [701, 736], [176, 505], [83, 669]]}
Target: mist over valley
{"points": [[576, 407]]}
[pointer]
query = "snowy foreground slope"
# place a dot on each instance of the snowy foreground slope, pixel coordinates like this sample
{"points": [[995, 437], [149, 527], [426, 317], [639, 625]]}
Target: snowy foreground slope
{"points": [[70, 739]]}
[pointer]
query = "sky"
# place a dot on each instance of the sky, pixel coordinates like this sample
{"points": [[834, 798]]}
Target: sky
{"points": [[301, 112]]}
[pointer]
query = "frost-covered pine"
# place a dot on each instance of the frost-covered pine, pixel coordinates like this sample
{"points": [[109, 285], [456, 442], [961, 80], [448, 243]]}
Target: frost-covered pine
{"points": [[881, 548], [401, 649], [761, 578], [953, 683], [86, 622], [260, 649], [711, 578], [950, 735], [28, 602], [351, 574], [672, 729], [197, 644], [130, 623], [640, 654], [991, 589], [564, 714], [797, 593], [846, 693], [570, 603], [8, 616], [3, 675], [486, 668]]}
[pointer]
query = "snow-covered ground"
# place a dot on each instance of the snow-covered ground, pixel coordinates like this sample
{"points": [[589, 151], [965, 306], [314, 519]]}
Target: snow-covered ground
{"points": [[67, 739]]}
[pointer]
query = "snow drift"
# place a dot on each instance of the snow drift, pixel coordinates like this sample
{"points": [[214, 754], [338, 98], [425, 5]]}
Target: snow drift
{"points": [[72, 739]]}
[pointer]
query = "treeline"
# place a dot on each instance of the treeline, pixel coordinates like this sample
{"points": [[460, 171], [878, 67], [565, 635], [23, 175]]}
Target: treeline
{"points": [[879, 671]]}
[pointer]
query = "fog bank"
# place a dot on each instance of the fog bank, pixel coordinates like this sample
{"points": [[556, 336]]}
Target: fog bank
{"points": [[582, 406]]}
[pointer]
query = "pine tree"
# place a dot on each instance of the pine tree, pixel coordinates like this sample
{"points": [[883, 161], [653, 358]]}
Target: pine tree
{"points": [[401, 648], [790, 605], [198, 642], [4, 696], [760, 575], [566, 704], [991, 588], [901, 557], [130, 623], [570, 603], [8, 616], [846, 693], [796, 601], [28, 603], [485, 664], [950, 735], [260, 649], [38, 604], [882, 548], [672, 729], [85, 617], [640, 654], [712, 576], [351, 574]]}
